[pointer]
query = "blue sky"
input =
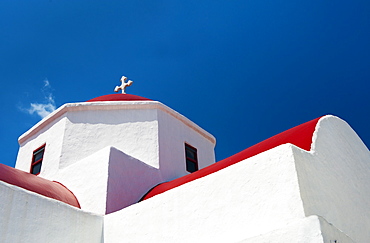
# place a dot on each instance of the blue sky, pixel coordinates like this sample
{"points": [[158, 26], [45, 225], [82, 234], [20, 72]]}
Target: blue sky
{"points": [[242, 70]]}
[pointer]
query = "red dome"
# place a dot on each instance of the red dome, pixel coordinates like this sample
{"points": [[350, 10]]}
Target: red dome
{"points": [[30, 182], [118, 97]]}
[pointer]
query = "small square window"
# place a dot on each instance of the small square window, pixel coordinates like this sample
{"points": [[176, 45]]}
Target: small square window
{"points": [[37, 158], [191, 158]]}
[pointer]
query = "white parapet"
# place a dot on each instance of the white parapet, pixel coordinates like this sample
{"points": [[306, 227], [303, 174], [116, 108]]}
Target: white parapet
{"points": [[312, 229], [334, 178], [30, 217], [285, 194], [249, 198]]}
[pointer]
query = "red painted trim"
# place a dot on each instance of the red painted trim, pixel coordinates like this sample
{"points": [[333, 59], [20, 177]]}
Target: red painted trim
{"points": [[118, 97], [37, 184], [195, 161], [300, 136], [40, 147], [33, 163]]}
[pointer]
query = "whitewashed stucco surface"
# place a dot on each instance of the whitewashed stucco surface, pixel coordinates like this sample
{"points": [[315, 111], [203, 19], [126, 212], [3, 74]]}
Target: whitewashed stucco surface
{"points": [[109, 154], [173, 134], [250, 198], [335, 178], [285, 194], [312, 229], [30, 217], [108, 180], [52, 135], [147, 130]]}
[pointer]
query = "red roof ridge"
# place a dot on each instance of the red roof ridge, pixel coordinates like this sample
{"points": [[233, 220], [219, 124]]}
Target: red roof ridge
{"points": [[300, 136]]}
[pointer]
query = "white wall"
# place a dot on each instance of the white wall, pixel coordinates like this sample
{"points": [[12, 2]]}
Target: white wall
{"points": [[147, 130], [249, 198], [148, 138], [88, 180], [129, 179], [134, 132], [312, 229], [285, 194], [108, 180], [30, 217], [335, 178], [258, 198], [52, 135], [173, 134], [331, 234]]}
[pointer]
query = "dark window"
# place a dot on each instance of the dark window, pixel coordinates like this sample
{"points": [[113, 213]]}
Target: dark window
{"points": [[191, 158], [37, 157]]}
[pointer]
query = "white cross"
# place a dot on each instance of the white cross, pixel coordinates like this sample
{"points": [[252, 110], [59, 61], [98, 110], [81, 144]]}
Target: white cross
{"points": [[123, 85]]}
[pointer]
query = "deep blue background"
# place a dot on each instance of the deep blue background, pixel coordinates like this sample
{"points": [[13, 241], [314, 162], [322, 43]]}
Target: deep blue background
{"points": [[242, 70]]}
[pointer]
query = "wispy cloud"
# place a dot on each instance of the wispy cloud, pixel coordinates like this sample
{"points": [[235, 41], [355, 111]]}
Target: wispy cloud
{"points": [[46, 83], [41, 109], [45, 108]]}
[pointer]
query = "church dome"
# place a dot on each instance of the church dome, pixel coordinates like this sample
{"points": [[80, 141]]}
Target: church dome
{"points": [[118, 97]]}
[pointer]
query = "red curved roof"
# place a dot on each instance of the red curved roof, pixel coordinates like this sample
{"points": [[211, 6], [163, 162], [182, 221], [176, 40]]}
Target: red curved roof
{"points": [[118, 97], [300, 136], [38, 185]]}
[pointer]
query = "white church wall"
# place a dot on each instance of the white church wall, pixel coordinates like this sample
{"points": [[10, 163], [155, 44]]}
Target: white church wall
{"points": [[312, 229], [87, 179], [252, 197], [133, 131], [50, 134], [335, 178], [77, 130], [108, 180], [173, 134], [129, 179], [30, 217], [331, 234]]}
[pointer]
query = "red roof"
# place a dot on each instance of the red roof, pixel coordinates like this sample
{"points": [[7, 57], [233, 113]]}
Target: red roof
{"points": [[118, 97], [300, 136], [51, 189]]}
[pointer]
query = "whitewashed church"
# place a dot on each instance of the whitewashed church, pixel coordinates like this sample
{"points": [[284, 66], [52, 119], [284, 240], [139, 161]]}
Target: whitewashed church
{"points": [[123, 168]]}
